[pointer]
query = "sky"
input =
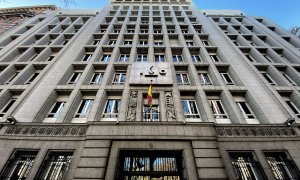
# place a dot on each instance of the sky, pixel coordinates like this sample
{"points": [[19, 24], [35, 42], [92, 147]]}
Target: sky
{"points": [[286, 13]]}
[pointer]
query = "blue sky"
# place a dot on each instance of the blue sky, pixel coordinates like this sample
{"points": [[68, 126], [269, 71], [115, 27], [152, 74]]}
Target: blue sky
{"points": [[284, 12]]}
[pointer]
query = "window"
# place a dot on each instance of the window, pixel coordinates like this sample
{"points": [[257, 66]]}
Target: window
{"points": [[182, 79], [185, 31], [144, 31], [12, 77], [196, 58], [215, 58], [205, 79], [19, 165], [245, 166], [217, 109], [105, 58], [102, 31], [157, 31], [151, 114], [159, 164], [130, 31], [249, 58], [160, 58], [127, 42], [142, 58], [32, 78], [56, 109], [190, 43], [111, 42], [171, 31], [205, 43], [84, 108], [50, 58], [7, 106], [289, 79], [112, 108], [74, 78], [144, 43], [87, 57], [269, 79], [281, 166], [158, 43], [244, 108], [227, 79], [124, 58], [95, 42], [294, 108], [267, 57], [119, 78], [64, 42], [97, 78], [190, 109], [116, 31], [55, 165], [177, 58]]}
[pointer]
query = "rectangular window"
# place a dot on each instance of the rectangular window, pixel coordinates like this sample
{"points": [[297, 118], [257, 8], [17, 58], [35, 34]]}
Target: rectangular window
{"points": [[144, 31], [269, 79], [97, 78], [281, 166], [112, 108], [205, 79], [19, 165], [124, 58], [244, 108], [105, 58], [74, 78], [217, 109], [127, 42], [12, 77], [55, 165], [50, 58], [144, 43], [32, 78], [151, 114], [130, 31], [7, 106], [142, 58], [119, 78], [185, 31], [267, 58], [196, 58], [294, 108], [190, 43], [215, 58], [160, 58], [158, 43], [95, 42], [84, 108], [87, 57], [227, 79], [289, 79], [144, 165], [245, 166], [177, 58], [205, 43], [111, 42], [56, 109], [190, 109], [182, 79], [249, 58]]}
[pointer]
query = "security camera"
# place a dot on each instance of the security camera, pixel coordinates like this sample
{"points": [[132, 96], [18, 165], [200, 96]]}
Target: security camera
{"points": [[11, 119], [289, 121]]}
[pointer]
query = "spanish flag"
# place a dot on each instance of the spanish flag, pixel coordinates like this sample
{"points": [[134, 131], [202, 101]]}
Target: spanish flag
{"points": [[149, 96]]}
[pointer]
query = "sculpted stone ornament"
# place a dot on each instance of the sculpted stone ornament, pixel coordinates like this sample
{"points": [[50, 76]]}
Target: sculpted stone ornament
{"points": [[170, 106], [132, 106]]}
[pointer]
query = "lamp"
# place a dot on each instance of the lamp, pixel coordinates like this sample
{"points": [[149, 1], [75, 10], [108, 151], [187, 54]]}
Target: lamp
{"points": [[11, 119], [289, 121]]}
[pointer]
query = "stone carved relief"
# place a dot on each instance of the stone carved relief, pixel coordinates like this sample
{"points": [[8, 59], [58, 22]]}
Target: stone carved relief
{"points": [[46, 131], [132, 106], [170, 106], [255, 131]]}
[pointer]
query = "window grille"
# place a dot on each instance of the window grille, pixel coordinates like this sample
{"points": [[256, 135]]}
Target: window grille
{"points": [[282, 167], [146, 165], [18, 167], [151, 114], [55, 165], [246, 167]]}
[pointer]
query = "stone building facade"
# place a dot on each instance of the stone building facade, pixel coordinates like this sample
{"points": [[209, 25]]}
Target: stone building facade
{"points": [[74, 89]]}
